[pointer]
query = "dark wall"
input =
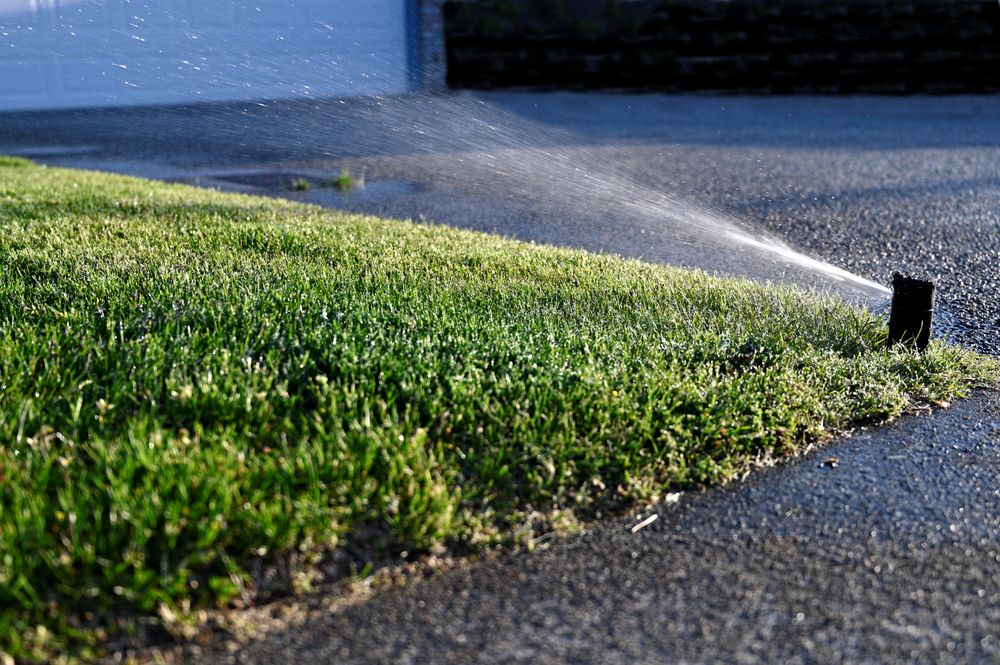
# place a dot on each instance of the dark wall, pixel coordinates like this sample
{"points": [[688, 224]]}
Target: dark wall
{"points": [[892, 46]]}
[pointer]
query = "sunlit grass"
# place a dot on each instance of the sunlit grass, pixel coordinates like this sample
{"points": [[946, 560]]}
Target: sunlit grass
{"points": [[190, 381]]}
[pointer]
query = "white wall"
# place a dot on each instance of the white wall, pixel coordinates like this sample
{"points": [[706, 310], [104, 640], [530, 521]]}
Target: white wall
{"points": [[74, 53]]}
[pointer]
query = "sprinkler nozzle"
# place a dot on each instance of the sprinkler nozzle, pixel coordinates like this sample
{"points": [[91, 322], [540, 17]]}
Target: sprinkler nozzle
{"points": [[912, 308]]}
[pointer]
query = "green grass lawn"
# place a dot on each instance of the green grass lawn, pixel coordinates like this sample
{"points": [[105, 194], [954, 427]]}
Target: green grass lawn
{"points": [[191, 382]]}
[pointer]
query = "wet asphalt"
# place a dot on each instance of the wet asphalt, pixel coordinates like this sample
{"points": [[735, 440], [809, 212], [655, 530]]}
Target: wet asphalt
{"points": [[889, 555]]}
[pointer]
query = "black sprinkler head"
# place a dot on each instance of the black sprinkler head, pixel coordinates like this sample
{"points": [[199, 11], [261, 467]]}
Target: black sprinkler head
{"points": [[912, 308]]}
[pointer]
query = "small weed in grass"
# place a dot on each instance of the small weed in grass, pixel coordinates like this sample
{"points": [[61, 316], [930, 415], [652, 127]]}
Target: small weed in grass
{"points": [[299, 185], [193, 383], [345, 181]]}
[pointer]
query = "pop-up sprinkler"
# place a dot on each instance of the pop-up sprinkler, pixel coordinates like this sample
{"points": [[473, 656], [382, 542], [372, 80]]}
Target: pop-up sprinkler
{"points": [[912, 308]]}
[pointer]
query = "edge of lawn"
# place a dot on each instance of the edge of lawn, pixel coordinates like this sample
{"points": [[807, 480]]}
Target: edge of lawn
{"points": [[746, 356]]}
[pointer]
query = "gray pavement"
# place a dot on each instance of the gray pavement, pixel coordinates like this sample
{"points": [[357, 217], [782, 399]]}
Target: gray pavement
{"points": [[891, 556]]}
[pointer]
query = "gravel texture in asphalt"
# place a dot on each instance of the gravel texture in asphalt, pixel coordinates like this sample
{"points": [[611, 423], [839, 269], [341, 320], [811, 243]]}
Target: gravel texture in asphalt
{"points": [[890, 554]]}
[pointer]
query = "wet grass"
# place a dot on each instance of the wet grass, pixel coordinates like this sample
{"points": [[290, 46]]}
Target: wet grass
{"points": [[194, 382]]}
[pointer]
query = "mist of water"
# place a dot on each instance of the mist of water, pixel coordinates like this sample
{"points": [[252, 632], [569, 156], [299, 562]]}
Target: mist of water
{"points": [[587, 190], [488, 165]]}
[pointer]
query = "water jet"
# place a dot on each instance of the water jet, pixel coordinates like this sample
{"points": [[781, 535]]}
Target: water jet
{"points": [[912, 310]]}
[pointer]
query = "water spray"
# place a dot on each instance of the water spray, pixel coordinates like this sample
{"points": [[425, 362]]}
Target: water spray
{"points": [[912, 309], [786, 253]]}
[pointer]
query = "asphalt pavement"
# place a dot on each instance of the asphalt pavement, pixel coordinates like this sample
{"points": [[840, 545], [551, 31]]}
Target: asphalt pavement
{"points": [[890, 554]]}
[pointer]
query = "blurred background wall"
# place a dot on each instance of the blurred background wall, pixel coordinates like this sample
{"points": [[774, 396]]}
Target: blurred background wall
{"points": [[843, 46]]}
